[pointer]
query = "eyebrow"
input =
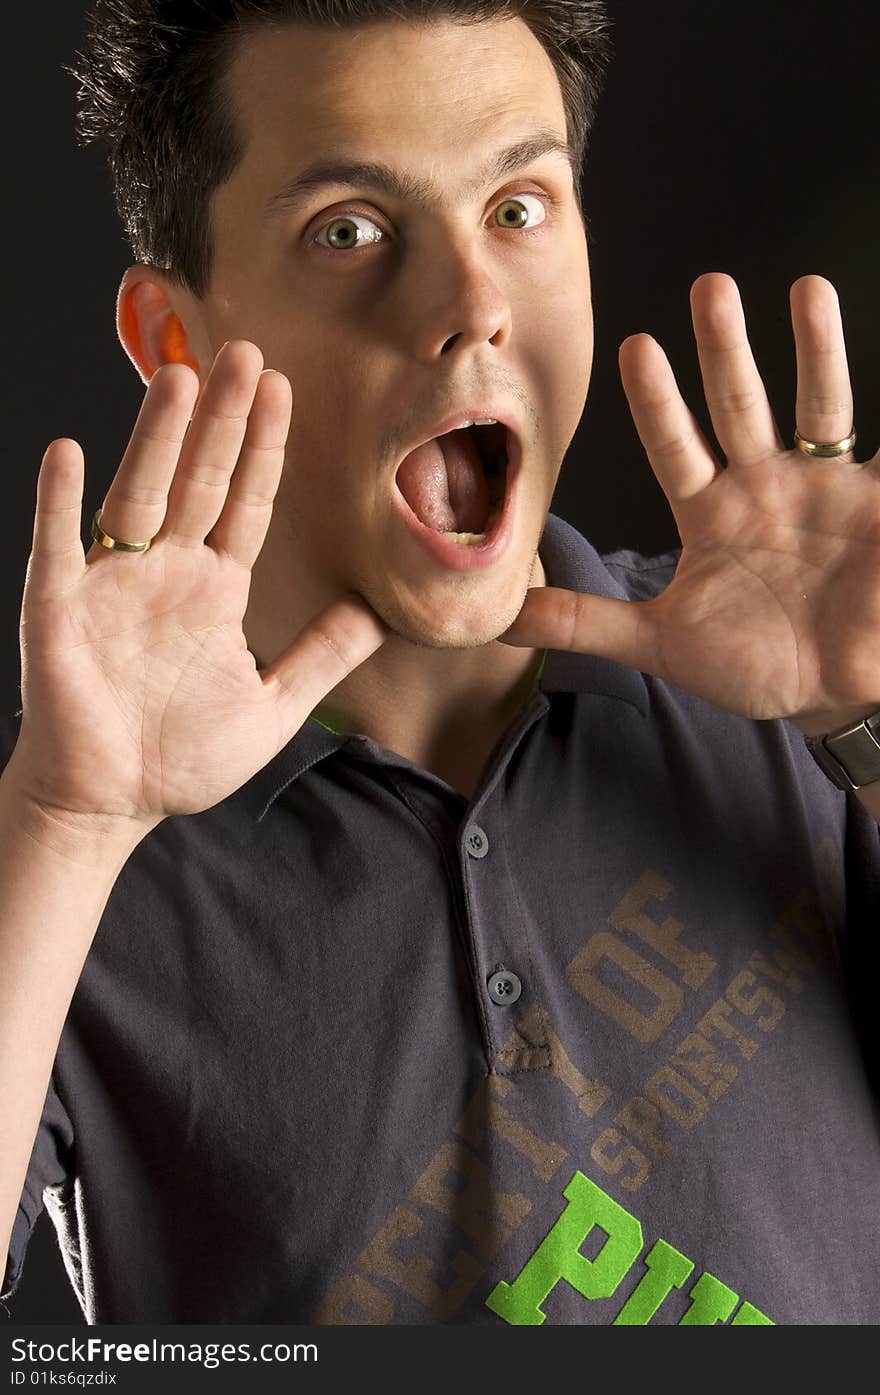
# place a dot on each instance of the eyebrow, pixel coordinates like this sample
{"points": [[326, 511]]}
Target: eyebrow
{"points": [[373, 175]]}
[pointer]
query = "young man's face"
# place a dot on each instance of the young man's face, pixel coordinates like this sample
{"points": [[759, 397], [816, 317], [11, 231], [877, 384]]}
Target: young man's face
{"points": [[455, 305]]}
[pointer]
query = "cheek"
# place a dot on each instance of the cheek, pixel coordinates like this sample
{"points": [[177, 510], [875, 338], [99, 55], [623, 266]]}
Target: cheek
{"points": [[563, 332], [562, 295], [321, 490], [562, 359], [570, 297]]}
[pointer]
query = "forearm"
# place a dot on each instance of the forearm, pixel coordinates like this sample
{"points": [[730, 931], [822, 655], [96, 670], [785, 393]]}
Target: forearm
{"points": [[54, 885]]}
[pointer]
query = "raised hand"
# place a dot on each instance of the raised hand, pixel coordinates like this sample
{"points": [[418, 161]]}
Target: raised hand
{"points": [[774, 609], [140, 697]]}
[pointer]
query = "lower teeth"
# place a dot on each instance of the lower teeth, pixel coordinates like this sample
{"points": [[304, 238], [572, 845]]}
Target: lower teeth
{"points": [[469, 539], [466, 539]]}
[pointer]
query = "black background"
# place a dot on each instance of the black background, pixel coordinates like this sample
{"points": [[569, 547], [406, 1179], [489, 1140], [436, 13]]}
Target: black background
{"points": [[738, 138]]}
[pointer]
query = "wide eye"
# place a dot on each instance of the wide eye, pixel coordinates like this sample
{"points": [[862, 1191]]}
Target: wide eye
{"points": [[513, 211], [342, 233]]}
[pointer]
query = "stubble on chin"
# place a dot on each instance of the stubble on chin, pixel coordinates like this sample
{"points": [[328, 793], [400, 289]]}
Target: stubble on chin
{"points": [[472, 627]]}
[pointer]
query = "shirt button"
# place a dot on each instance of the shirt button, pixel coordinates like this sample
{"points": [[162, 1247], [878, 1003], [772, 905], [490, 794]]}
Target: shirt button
{"points": [[476, 841], [504, 987]]}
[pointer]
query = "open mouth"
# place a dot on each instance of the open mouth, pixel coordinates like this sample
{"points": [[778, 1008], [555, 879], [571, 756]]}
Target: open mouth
{"points": [[491, 445], [455, 484]]}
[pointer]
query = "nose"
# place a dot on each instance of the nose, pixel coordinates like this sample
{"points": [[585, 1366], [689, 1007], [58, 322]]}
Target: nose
{"points": [[460, 304]]}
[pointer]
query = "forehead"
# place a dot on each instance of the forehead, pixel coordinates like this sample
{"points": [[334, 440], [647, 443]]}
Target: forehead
{"points": [[425, 91]]}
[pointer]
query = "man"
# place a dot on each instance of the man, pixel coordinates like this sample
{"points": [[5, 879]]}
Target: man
{"points": [[502, 970]]}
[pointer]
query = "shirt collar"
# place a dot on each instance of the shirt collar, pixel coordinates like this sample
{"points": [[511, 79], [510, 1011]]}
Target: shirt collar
{"points": [[569, 561], [574, 564]]}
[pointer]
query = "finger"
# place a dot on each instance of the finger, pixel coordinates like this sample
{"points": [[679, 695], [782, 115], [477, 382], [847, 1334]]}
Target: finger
{"points": [[558, 619], [679, 454], [735, 395], [135, 504], [324, 652], [210, 451], [57, 556], [824, 410], [241, 528]]}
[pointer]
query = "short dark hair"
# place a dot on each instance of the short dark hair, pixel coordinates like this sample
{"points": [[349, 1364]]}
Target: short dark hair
{"points": [[152, 84]]}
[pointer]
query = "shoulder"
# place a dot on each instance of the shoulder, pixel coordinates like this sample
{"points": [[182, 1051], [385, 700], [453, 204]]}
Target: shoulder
{"points": [[573, 562], [639, 576]]}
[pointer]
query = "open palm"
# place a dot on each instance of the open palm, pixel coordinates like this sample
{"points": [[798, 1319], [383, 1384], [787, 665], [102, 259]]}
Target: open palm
{"points": [[778, 583], [140, 697]]}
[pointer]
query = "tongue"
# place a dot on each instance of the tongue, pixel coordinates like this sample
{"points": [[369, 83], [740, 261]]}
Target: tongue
{"points": [[444, 484]]}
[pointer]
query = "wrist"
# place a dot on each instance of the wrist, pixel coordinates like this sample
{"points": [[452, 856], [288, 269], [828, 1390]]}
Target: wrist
{"points": [[88, 839], [818, 724], [849, 754]]}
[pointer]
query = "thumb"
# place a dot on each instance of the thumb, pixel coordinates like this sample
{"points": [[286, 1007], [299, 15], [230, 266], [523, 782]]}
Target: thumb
{"points": [[554, 618], [325, 651]]}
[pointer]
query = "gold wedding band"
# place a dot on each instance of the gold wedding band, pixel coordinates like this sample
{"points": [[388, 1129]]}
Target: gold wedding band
{"points": [[825, 449], [114, 543]]}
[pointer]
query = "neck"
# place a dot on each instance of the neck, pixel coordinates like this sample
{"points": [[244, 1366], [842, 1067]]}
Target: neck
{"points": [[451, 693], [443, 709]]}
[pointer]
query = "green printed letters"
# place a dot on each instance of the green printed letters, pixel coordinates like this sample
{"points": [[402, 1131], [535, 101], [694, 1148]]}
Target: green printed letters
{"points": [[667, 1269], [559, 1257]]}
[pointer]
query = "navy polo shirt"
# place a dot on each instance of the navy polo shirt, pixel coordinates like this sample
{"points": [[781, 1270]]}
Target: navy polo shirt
{"points": [[594, 1046]]}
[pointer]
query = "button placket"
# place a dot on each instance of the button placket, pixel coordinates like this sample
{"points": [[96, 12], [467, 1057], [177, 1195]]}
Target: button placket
{"points": [[503, 985], [496, 920]]}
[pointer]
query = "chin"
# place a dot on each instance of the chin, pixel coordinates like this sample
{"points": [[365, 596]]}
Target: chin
{"points": [[470, 624]]}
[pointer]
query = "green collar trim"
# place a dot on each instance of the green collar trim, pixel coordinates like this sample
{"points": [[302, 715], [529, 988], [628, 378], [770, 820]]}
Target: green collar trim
{"points": [[324, 725]]}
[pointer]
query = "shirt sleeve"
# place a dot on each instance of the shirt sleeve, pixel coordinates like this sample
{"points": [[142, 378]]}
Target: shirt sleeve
{"points": [[51, 1164], [862, 879]]}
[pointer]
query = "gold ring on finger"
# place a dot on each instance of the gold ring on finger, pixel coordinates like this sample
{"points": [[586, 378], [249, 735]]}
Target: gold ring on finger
{"points": [[115, 544], [826, 449]]}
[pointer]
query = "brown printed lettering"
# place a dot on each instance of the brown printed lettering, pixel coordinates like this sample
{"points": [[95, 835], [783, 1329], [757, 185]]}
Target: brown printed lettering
{"points": [[658, 1087], [413, 1275], [488, 1217], [783, 976], [353, 1291], [532, 1052], [716, 1021], [590, 1094], [748, 1003], [643, 1120], [613, 1163], [700, 1059], [694, 966], [604, 945], [484, 1112]]}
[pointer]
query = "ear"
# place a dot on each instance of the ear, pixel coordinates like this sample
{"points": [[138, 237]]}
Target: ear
{"points": [[152, 330]]}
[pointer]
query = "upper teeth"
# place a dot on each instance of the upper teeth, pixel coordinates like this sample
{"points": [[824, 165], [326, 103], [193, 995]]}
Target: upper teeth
{"points": [[485, 421]]}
